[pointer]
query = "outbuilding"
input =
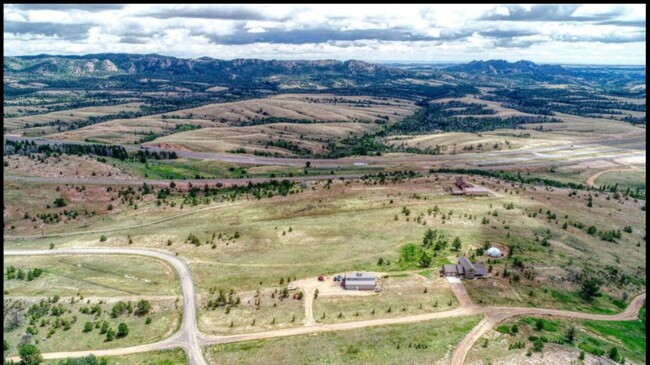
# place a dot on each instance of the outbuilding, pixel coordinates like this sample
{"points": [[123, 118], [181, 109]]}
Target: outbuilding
{"points": [[360, 281], [494, 252]]}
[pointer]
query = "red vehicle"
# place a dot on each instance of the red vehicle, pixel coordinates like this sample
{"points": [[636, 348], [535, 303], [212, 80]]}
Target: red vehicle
{"points": [[321, 278], [295, 296]]}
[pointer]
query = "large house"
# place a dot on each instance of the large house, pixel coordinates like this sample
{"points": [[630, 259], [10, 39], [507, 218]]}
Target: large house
{"points": [[464, 269], [360, 281]]}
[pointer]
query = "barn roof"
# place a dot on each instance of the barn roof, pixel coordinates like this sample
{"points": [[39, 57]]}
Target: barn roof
{"points": [[360, 276], [476, 189]]}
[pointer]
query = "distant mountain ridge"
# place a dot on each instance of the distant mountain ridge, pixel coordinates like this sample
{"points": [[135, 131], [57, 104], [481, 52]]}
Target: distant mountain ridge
{"points": [[295, 74], [116, 63], [502, 68]]}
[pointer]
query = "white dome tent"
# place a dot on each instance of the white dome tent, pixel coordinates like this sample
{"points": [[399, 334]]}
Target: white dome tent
{"points": [[494, 252]]}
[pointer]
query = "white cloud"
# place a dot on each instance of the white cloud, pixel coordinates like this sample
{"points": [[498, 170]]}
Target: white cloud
{"points": [[502, 10], [377, 32]]}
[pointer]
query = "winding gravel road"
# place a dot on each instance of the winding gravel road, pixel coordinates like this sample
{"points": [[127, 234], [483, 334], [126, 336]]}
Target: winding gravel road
{"points": [[189, 338]]}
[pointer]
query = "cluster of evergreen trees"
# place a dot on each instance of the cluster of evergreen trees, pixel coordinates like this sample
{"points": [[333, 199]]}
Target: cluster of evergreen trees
{"points": [[27, 148]]}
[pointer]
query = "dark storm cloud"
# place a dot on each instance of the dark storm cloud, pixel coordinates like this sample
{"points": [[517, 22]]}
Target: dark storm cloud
{"points": [[323, 35], [227, 13], [64, 7], [65, 31], [546, 13]]}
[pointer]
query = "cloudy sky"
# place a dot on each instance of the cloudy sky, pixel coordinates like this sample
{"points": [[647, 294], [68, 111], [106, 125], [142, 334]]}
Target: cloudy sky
{"points": [[592, 34]]}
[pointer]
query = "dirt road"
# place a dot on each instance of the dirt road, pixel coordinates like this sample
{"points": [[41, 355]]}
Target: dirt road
{"points": [[592, 179], [309, 311], [494, 315], [459, 291], [466, 344], [187, 335]]}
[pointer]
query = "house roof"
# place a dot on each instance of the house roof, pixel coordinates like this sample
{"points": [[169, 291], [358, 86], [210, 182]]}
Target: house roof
{"points": [[450, 269], [480, 269], [464, 261]]}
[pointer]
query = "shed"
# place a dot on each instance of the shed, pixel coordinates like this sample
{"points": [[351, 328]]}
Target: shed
{"points": [[360, 281], [476, 190]]}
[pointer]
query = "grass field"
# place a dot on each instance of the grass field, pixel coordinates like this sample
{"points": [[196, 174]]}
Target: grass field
{"points": [[165, 357], [358, 113], [595, 338], [62, 165], [453, 143], [92, 276], [37, 125], [312, 137], [422, 343], [187, 168], [165, 319], [321, 107], [404, 295], [273, 313], [349, 226], [624, 179]]}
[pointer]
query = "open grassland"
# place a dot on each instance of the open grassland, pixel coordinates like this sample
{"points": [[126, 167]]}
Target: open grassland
{"points": [[430, 342], [577, 126], [62, 166], [361, 112], [42, 124], [272, 313], [453, 143], [318, 107], [578, 174], [91, 276], [638, 101], [266, 138], [125, 131], [32, 207], [500, 110], [402, 294], [624, 179], [23, 110], [188, 168], [163, 357], [49, 331], [595, 338], [573, 130], [348, 226]]}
